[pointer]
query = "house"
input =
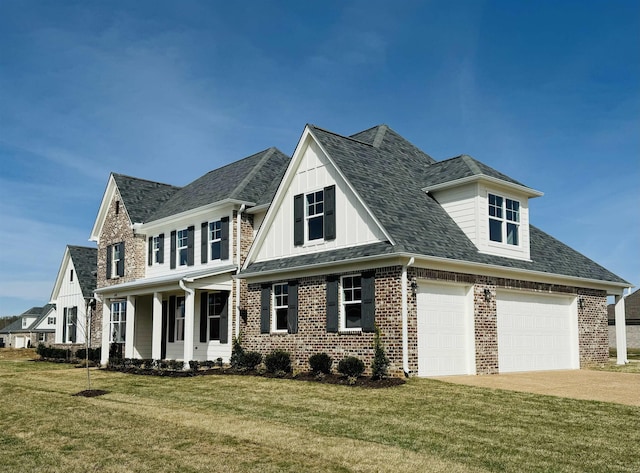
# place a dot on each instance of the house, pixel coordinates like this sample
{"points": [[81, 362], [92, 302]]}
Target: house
{"points": [[36, 325], [369, 231], [73, 296], [632, 319], [167, 257]]}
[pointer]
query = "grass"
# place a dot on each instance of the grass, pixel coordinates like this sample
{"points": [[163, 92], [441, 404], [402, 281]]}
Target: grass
{"points": [[246, 424]]}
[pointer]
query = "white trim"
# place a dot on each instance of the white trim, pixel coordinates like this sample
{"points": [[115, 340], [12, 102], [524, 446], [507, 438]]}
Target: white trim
{"points": [[529, 192], [193, 214], [342, 316], [275, 307]]}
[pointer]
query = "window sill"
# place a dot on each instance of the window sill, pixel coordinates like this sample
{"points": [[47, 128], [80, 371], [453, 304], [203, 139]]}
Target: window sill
{"points": [[350, 331], [278, 332]]}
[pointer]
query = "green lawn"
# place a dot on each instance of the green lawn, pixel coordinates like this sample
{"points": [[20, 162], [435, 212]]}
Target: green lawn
{"points": [[246, 424]]}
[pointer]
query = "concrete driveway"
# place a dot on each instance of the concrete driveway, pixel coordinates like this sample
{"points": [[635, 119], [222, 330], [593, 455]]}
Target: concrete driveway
{"points": [[606, 386]]}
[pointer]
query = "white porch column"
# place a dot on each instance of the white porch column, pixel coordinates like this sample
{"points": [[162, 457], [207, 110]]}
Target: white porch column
{"points": [[621, 331], [106, 327], [130, 327], [156, 340], [189, 323]]}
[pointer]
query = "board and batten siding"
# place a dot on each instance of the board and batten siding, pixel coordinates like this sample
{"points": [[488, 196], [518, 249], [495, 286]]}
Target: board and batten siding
{"points": [[70, 295], [354, 225]]}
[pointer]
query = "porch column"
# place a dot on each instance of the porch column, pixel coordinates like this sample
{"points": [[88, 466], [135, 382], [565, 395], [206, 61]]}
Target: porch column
{"points": [[156, 340], [130, 327], [189, 324], [621, 331], [106, 327]]}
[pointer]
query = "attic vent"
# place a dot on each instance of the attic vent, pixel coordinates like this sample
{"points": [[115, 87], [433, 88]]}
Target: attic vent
{"points": [[117, 207]]}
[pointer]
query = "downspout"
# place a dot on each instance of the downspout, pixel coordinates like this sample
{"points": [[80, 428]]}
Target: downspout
{"points": [[185, 288], [405, 317], [238, 262]]}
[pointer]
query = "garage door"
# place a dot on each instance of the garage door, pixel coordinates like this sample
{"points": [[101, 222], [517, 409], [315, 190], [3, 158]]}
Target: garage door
{"points": [[20, 342], [445, 330], [536, 332]]}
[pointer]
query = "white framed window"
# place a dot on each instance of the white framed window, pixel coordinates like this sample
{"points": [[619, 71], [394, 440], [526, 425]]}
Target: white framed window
{"points": [[351, 302], [504, 220], [157, 248], [51, 320], [215, 239], [280, 306], [216, 304], [42, 336], [118, 321], [182, 247], [179, 328], [314, 214], [115, 259]]}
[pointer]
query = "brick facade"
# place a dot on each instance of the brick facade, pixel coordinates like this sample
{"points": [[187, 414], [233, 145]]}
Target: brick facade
{"points": [[312, 336]]}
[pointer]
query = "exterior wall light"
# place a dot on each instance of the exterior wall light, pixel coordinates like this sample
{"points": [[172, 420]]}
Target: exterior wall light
{"points": [[487, 294]]}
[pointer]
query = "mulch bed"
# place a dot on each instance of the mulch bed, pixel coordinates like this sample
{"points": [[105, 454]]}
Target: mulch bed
{"points": [[362, 381], [91, 393]]}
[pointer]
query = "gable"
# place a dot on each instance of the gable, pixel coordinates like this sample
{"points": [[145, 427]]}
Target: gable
{"points": [[312, 170]]}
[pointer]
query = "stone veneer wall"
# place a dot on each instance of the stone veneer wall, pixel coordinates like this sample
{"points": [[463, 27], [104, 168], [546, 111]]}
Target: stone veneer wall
{"points": [[312, 336]]}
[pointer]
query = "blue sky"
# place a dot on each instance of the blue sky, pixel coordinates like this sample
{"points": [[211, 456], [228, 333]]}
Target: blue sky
{"points": [[546, 92]]}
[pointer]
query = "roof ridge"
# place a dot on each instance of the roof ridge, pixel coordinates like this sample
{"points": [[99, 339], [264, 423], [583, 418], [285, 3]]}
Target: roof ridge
{"points": [[471, 164], [143, 179], [340, 136], [380, 133], [267, 154]]}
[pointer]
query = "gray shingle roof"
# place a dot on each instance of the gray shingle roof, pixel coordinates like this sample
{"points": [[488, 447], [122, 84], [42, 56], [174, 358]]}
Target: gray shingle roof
{"points": [[461, 167], [38, 312], [85, 261], [390, 177], [142, 197], [252, 179]]}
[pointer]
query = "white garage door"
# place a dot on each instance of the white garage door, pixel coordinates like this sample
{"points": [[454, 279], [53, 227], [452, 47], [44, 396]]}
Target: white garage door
{"points": [[536, 332], [20, 342], [445, 330]]}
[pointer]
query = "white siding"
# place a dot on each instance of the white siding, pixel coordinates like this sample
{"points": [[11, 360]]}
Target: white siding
{"points": [[461, 203], [354, 225], [143, 322], [70, 295]]}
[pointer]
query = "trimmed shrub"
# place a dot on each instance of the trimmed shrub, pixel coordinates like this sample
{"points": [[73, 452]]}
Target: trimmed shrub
{"points": [[148, 364], [176, 365], [278, 361], [251, 360], [320, 363], [194, 365], [115, 350], [94, 354], [380, 363], [237, 354], [351, 367]]}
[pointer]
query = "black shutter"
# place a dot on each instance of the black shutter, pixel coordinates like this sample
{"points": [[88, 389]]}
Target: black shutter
{"points": [[121, 261], [172, 319], [64, 325], [265, 308], [368, 281], [172, 263], [292, 310], [150, 251], [224, 319], [161, 248], [204, 242], [330, 213], [298, 220], [109, 251], [190, 240], [224, 238], [204, 303], [163, 343], [332, 303], [73, 316]]}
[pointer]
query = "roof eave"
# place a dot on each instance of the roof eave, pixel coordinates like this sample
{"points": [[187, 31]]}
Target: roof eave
{"points": [[531, 193]]}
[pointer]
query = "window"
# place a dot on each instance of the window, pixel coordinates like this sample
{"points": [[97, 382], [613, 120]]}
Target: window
{"points": [[51, 320], [157, 248], [42, 337], [504, 220], [24, 323], [71, 275], [280, 307], [179, 328], [314, 216], [117, 207], [118, 321], [216, 305], [351, 302], [215, 239], [115, 260], [183, 247]]}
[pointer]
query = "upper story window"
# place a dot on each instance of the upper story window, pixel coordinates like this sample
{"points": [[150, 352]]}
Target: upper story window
{"points": [[51, 320], [158, 249], [351, 302], [118, 321], [115, 260], [280, 307], [24, 323], [71, 275], [314, 216], [182, 247], [504, 220], [215, 239]]}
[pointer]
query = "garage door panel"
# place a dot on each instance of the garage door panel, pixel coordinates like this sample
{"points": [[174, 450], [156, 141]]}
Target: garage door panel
{"points": [[536, 332]]}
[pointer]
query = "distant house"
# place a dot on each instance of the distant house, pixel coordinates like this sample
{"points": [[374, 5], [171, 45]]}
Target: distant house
{"points": [[36, 325], [632, 317], [73, 296]]}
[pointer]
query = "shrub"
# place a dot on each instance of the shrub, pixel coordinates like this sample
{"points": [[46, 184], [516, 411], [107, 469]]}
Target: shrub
{"points": [[115, 350], [251, 360], [351, 367], [175, 365], [148, 363], [278, 360], [237, 354], [380, 363], [218, 362], [320, 363], [94, 354], [194, 365]]}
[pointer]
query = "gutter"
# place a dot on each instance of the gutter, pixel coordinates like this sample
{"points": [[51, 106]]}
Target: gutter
{"points": [[405, 317]]}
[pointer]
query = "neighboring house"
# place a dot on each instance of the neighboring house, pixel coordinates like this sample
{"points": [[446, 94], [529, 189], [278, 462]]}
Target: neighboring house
{"points": [[632, 317], [36, 325], [167, 258], [367, 230], [73, 295]]}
